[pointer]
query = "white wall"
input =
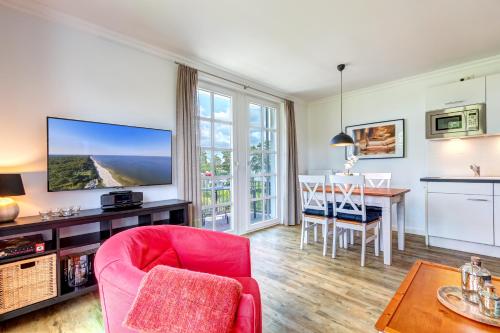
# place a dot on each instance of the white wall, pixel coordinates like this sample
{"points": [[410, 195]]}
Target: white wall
{"points": [[403, 99], [52, 69], [49, 70]]}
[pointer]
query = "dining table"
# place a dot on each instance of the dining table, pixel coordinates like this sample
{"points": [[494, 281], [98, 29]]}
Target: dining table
{"points": [[392, 203]]}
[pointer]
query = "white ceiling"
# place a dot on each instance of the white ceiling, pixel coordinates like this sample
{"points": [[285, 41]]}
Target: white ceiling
{"points": [[295, 45]]}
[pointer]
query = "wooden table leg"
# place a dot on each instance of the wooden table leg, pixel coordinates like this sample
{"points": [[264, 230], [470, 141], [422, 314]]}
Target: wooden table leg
{"points": [[386, 231], [401, 223]]}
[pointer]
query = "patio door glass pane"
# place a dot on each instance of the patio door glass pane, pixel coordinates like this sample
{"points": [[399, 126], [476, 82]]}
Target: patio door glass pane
{"points": [[216, 160], [263, 152]]}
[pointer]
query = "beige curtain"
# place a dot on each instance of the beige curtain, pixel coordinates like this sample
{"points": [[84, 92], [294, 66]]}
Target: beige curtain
{"points": [[188, 174], [292, 183]]}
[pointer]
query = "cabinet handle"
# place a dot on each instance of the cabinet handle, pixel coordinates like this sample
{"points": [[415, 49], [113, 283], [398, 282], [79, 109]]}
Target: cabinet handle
{"points": [[454, 102], [470, 199]]}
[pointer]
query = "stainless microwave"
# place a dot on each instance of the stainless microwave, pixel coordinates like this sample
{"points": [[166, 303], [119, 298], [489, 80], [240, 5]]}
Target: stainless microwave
{"points": [[462, 121]]}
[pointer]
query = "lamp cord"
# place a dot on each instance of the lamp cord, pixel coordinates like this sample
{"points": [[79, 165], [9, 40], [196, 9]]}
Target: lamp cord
{"points": [[341, 127]]}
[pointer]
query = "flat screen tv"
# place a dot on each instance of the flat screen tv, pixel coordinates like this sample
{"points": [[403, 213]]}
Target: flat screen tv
{"points": [[85, 155]]}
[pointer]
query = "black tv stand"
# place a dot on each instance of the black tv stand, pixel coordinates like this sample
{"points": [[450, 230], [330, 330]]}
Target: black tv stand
{"points": [[122, 208], [178, 215]]}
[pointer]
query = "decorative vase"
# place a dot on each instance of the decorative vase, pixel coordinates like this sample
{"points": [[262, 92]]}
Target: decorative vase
{"points": [[9, 210]]}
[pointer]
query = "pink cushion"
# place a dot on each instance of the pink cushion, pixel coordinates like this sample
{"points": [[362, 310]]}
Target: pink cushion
{"points": [[167, 258], [182, 301]]}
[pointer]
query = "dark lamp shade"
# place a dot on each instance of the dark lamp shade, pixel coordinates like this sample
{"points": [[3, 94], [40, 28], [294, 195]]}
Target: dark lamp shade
{"points": [[341, 140], [11, 185]]}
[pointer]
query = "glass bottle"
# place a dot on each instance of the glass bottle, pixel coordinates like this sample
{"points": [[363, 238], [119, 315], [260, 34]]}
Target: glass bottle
{"points": [[474, 277], [489, 301]]}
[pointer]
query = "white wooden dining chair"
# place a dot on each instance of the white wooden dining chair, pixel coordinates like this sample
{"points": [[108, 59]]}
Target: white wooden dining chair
{"points": [[378, 179], [349, 234], [314, 208], [347, 215]]}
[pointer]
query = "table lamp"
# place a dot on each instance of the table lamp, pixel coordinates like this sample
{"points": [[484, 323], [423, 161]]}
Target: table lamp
{"points": [[10, 185]]}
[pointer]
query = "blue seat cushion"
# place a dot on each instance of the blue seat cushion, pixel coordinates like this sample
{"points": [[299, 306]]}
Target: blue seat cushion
{"points": [[372, 213], [375, 209], [320, 212]]}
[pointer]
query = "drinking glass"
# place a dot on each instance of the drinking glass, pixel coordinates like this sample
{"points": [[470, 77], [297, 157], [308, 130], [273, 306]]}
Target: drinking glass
{"points": [[44, 214], [66, 212], [55, 212], [75, 209]]}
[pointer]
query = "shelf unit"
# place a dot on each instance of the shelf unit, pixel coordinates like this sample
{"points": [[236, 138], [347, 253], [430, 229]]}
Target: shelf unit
{"points": [[178, 215]]}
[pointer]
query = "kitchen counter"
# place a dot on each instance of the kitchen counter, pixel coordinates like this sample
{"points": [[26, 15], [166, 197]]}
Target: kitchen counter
{"points": [[463, 213], [465, 179]]}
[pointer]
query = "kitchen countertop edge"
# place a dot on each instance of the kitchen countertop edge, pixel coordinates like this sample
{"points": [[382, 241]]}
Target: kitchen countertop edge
{"points": [[459, 180]]}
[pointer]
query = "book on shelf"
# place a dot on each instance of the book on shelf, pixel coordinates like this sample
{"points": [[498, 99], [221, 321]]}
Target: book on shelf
{"points": [[22, 245]]}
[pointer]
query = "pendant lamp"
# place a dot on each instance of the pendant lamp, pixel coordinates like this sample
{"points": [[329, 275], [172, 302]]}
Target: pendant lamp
{"points": [[341, 139]]}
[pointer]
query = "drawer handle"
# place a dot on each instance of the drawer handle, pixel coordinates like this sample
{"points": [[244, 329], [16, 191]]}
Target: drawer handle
{"points": [[470, 199], [28, 265], [454, 102]]}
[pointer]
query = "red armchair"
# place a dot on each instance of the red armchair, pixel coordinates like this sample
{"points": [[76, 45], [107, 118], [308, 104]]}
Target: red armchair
{"points": [[120, 260]]}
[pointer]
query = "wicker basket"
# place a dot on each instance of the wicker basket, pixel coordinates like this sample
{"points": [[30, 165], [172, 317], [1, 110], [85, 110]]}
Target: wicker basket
{"points": [[26, 282]]}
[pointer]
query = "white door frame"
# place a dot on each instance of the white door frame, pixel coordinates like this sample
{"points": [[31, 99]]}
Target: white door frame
{"points": [[248, 227], [235, 96], [240, 223]]}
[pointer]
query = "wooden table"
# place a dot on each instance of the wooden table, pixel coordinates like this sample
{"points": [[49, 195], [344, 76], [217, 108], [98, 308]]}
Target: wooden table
{"points": [[392, 202], [415, 307]]}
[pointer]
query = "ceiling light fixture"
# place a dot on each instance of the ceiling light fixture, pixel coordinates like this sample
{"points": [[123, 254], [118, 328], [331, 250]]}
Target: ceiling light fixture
{"points": [[341, 139]]}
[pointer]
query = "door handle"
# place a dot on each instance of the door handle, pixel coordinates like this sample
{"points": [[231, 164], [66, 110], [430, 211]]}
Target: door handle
{"points": [[454, 102], [471, 199]]}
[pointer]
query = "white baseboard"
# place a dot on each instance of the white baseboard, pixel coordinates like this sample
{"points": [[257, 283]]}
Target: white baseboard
{"points": [[410, 230], [483, 249]]}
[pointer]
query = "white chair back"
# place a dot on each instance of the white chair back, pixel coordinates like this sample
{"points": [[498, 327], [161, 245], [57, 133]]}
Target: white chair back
{"points": [[322, 172], [347, 185], [378, 180], [313, 192]]}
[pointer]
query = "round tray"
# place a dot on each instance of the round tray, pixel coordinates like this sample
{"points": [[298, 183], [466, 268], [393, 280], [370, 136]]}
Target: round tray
{"points": [[451, 297]]}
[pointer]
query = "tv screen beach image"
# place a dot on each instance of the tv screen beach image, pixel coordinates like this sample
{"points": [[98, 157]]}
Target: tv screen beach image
{"points": [[86, 155]]}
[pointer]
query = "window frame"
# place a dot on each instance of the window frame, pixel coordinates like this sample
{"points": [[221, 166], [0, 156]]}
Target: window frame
{"points": [[277, 152], [213, 90]]}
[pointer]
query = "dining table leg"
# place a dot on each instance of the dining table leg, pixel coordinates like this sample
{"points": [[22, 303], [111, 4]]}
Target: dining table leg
{"points": [[401, 223], [386, 231]]}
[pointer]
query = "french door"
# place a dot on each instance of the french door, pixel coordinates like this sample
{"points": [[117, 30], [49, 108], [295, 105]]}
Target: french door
{"points": [[262, 166], [239, 155], [216, 160]]}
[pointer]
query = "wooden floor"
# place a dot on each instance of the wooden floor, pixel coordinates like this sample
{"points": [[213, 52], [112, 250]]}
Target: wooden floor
{"points": [[302, 291]]}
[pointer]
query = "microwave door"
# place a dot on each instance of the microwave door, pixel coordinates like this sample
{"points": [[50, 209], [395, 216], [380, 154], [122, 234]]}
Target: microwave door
{"points": [[448, 123]]}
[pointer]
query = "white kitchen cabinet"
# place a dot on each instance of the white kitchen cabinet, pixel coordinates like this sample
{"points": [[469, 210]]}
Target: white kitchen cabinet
{"points": [[461, 188], [463, 217], [496, 216], [493, 104], [454, 94]]}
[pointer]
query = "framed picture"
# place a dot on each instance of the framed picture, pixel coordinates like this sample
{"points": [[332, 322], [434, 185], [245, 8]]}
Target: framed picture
{"points": [[383, 139]]}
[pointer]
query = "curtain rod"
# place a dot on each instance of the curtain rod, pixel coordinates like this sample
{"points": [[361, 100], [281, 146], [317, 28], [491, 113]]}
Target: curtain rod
{"points": [[245, 86]]}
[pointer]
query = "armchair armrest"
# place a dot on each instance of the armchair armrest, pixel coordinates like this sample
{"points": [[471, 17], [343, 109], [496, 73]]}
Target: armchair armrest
{"points": [[244, 322]]}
